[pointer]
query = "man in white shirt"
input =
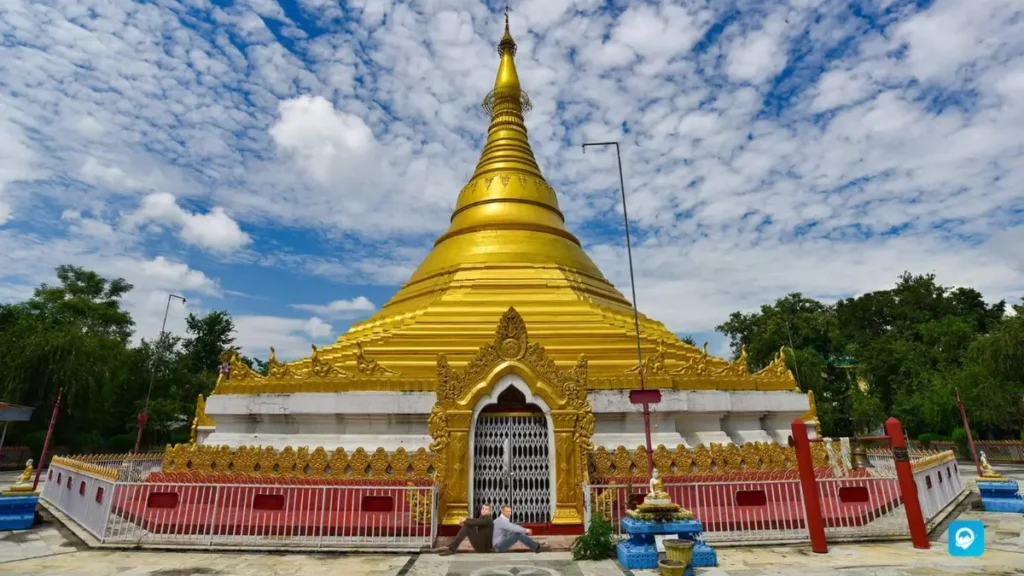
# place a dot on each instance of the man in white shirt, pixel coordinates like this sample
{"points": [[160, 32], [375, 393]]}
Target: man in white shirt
{"points": [[506, 534]]}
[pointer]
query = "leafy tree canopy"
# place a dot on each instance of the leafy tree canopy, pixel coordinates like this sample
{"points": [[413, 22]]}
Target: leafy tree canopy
{"points": [[76, 338]]}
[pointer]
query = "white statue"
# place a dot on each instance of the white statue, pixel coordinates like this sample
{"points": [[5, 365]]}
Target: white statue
{"points": [[844, 445], [655, 483], [833, 459], [656, 495], [986, 469]]}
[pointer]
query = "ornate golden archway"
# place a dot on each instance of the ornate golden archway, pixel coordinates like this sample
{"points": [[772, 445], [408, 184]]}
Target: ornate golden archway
{"points": [[458, 391]]}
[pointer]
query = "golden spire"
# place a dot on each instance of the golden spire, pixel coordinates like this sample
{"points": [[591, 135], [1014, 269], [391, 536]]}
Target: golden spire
{"points": [[507, 191]]}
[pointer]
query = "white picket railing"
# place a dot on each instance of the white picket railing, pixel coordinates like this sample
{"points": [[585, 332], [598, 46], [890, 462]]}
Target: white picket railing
{"points": [[865, 508], [132, 468], [938, 486], [329, 517], [80, 496], [754, 512]]}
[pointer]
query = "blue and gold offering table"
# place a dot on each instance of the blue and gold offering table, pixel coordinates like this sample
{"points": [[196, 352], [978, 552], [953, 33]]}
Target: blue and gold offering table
{"points": [[18, 503], [998, 494], [658, 516]]}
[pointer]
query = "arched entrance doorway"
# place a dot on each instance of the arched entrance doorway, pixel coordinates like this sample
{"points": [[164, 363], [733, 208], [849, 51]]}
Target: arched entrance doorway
{"points": [[511, 454]]}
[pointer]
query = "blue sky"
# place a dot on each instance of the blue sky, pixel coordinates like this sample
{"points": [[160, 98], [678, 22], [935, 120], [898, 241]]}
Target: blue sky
{"points": [[291, 162]]}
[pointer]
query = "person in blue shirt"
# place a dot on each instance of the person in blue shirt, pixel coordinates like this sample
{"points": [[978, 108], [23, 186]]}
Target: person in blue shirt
{"points": [[506, 534]]}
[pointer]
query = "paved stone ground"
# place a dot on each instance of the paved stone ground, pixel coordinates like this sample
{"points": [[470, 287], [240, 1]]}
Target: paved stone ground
{"points": [[51, 550]]}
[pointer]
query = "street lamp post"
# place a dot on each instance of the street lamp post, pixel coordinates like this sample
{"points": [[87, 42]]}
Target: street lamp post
{"points": [[143, 416], [642, 396]]}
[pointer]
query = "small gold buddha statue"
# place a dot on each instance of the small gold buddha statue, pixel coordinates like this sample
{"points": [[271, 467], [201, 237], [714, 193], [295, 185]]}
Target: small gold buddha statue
{"points": [[987, 472], [657, 504], [656, 492], [23, 483]]}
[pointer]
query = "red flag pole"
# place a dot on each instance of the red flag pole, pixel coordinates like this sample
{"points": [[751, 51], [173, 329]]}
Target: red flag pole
{"points": [[967, 427], [46, 443]]}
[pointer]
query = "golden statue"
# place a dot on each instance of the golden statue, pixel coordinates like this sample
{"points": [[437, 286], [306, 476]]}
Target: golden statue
{"points": [[656, 486], [23, 484], [658, 505], [987, 472]]}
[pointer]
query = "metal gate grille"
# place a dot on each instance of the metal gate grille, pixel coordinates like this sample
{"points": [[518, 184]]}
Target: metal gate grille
{"points": [[511, 465]]}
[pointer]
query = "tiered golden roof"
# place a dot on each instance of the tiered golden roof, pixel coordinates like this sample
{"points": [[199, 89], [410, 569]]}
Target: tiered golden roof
{"points": [[507, 246]]}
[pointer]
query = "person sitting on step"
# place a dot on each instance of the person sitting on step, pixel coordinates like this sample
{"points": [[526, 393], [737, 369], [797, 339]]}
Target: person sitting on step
{"points": [[506, 534], [478, 530]]}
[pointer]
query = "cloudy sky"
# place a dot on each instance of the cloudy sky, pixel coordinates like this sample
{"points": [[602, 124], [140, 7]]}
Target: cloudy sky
{"points": [[291, 161]]}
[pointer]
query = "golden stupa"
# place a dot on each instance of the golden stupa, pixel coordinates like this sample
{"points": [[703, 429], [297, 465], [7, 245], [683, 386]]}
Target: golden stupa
{"points": [[507, 246]]}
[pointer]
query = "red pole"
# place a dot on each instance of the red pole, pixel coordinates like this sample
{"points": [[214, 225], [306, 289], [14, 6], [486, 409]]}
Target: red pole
{"points": [[908, 488], [647, 438], [805, 465], [46, 443], [967, 427], [138, 437]]}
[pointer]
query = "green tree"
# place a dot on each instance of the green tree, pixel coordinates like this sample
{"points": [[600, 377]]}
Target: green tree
{"points": [[208, 337], [72, 337]]}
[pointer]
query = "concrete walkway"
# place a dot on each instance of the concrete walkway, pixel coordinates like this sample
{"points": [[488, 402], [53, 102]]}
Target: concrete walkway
{"points": [[51, 549]]}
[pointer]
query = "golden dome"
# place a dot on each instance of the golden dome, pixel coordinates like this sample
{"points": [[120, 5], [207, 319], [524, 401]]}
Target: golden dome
{"points": [[507, 246]]}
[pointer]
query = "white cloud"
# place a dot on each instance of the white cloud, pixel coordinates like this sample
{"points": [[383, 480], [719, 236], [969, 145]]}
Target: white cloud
{"points": [[17, 163], [364, 130], [340, 308], [290, 337], [759, 55], [214, 230]]}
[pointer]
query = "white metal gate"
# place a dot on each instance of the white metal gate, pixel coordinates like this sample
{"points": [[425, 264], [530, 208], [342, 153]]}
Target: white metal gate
{"points": [[512, 465]]}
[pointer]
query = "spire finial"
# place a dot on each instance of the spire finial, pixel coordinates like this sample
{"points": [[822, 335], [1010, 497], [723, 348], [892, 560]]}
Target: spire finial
{"points": [[507, 44]]}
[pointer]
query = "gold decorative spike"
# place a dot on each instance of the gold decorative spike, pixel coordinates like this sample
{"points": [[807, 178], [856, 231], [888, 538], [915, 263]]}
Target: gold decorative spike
{"points": [[737, 367], [811, 416], [652, 364], [699, 366], [322, 368], [278, 370], [370, 367], [201, 419]]}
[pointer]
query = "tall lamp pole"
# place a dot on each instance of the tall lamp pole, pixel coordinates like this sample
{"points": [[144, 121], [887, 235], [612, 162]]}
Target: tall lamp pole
{"points": [[143, 416], [642, 396]]}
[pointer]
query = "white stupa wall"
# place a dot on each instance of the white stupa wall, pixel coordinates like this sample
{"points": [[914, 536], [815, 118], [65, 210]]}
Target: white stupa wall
{"points": [[393, 419]]}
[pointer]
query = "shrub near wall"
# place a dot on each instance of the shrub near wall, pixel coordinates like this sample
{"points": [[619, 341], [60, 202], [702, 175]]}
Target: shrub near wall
{"points": [[927, 438], [960, 439]]}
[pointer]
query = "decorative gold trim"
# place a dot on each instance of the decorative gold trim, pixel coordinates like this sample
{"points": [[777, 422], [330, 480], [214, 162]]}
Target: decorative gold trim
{"points": [[697, 366], [812, 413], [932, 460], [458, 392], [201, 420], [299, 463], [370, 367], [86, 468], [622, 465]]}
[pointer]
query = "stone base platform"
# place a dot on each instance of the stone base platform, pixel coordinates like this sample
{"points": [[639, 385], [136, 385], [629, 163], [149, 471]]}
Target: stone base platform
{"points": [[640, 552]]}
